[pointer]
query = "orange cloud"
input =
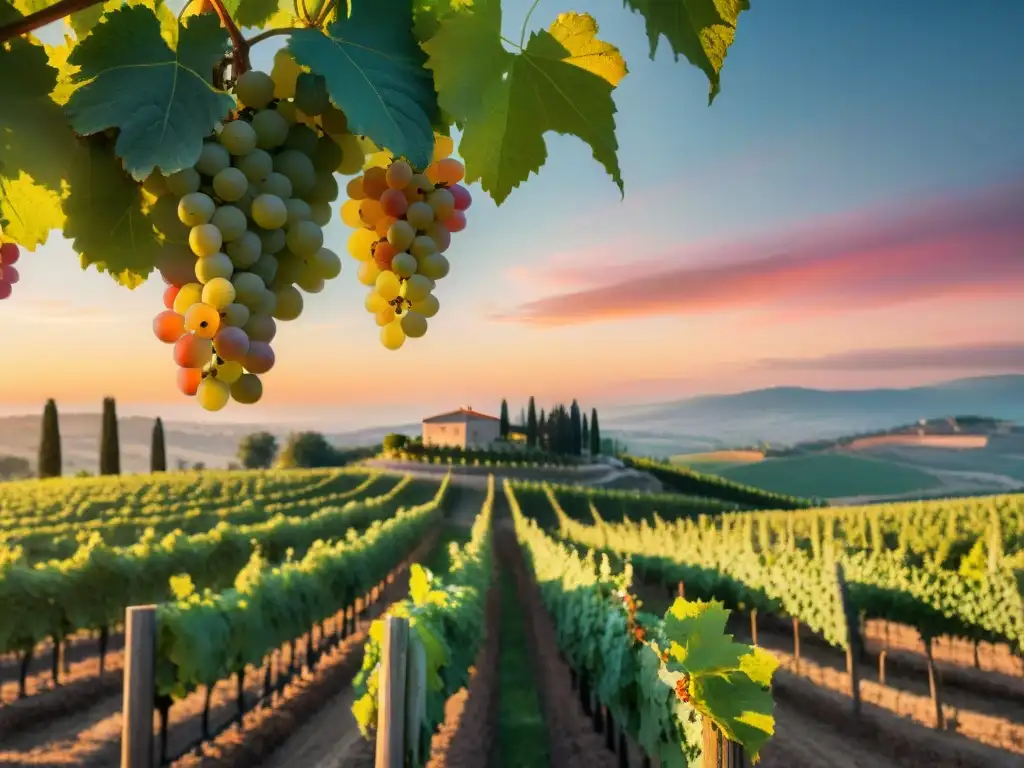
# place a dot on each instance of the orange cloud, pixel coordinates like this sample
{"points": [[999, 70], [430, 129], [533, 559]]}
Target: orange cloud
{"points": [[967, 247]]}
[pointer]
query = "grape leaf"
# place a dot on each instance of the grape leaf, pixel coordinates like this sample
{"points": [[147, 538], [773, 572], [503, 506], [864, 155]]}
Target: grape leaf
{"points": [[699, 642], [700, 30], [162, 100], [107, 217], [374, 72], [562, 81], [83, 21], [29, 212], [254, 13], [58, 55], [741, 708]]}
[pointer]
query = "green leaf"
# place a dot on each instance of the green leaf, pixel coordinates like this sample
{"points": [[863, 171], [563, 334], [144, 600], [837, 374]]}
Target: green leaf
{"points": [[699, 642], [83, 21], [28, 212], [700, 30], [107, 218], [741, 708], [374, 72], [162, 100], [255, 13], [562, 81]]}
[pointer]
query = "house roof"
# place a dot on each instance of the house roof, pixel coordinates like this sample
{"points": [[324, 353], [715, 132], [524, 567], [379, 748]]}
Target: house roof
{"points": [[468, 413]]}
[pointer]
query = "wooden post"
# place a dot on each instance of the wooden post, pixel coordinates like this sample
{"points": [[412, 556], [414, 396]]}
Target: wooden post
{"points": [[391, 701], [139, 687], [753, 626], [681, 590], [796, 643], [881, 667], [415, 697], [933, 685], [852, 638], [719, 752]]}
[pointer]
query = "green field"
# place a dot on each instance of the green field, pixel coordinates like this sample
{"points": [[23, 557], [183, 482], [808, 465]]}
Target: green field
{"points": [[716, 462], [832, 475]]}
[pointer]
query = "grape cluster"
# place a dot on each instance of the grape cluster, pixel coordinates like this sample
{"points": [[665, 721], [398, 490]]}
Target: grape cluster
{"points": [[404, 221], [254, 206], [9, 255]]}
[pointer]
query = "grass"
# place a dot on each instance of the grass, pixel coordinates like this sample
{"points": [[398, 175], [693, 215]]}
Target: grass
{"points": [[522, 735], [833, 475], [714, 462]]}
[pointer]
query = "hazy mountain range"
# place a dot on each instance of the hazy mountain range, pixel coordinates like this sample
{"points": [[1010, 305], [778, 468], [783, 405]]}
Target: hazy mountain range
{"points": [[780, 415]]}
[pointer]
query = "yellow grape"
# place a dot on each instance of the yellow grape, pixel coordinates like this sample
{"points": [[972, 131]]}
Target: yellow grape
{"points": [[354, 188], [383, 225], [212, 394], [360, 244], [443, 147], [427, 306], [368, 272], [350, 214], [205, 240], [218, 265], [392, 336], [229, 371], [202, 320], [398, 175], [420, 215], [403, 264], [218, 293], [417, 288], [352, 155], [414, 325], [375, 303], [448, 171], [388, 285], [189, 294], [375, 182], [370, 212], [195, 209], [385, 316], [401, 234]]}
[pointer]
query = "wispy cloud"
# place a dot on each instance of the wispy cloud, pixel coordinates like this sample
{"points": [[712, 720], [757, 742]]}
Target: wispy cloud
{"points": [[971, 246], [59, 311], [965, 357]]}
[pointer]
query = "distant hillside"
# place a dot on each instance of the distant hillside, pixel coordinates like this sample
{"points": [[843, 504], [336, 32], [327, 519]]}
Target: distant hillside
{"points": [[214, 445], [794, 414]]}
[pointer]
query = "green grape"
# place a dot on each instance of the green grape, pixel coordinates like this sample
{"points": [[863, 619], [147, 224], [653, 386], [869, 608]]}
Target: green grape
{"points": [[218, 293], [326, 263], [205, 240], [305, 238], [230, 184], [388, 285], [191, 293], [289, 303], [269, 211], [299, 170], [417, 288], [420, 215], [247, 390], [254, 89], [427, 306], [245, 203], [274, 240], [267, 303], [325, 189], [238, 138], [265, 267], [327, 156], [210, 267], [212, 159], [298, 210], [231, 222], [248, 288], [271, 129], [260, 328], [422, 247], [235, 315], [184, 182], [245, 250], [301, 138], [311, 283], [401, 234], [229, 372], [212, 394], [414, 324], [277, 184], [289, 268], [311, 93], [256, 166], [435, 266], [321, 213], [403, 264], [288, 111]]}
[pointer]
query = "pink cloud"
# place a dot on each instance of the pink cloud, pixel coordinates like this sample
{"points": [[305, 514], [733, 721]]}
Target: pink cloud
{"points": [[961, 357], [968, 247]]}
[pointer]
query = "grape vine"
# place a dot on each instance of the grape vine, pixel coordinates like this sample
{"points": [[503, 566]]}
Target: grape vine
{"points": [[147, 140]]}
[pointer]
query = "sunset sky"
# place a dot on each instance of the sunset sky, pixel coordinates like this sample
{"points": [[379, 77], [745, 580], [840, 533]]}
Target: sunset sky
{"points": [[849, 213]]}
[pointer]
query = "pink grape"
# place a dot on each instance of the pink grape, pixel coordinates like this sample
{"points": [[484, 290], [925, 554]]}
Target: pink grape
{"points": [[170, 294], [188, 380], [456, 222], [177, 264], [393, 203], [192, 351], [10, 274], [9, 254], [462, 197], [5, 290], [169, 326], [231, 344], [260, 358]]}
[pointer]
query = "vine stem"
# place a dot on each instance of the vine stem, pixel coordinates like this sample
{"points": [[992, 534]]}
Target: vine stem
{"points": [[41, 18], [238, 43]]}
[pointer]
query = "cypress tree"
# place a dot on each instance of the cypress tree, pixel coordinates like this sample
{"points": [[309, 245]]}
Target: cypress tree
{"points": [[577, 428], [158, 449], [585, 434], [531, 424], [595, 434], [542, 431], [110, 445], [503, 424], [49, 442]]}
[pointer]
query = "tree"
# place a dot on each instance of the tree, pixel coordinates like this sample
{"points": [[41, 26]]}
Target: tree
{"points": [[258, 450], [14, 467], [308, 450], [50, 464], [595, 434], [531, 424], [585, 435], [110, 444], [394, 442], [577, 428], [503, 425], [157, 448], [542, 431]]}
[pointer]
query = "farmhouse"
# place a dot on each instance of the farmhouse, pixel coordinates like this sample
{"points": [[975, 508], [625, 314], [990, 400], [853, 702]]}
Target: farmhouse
{"points": [[464, 428]]}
